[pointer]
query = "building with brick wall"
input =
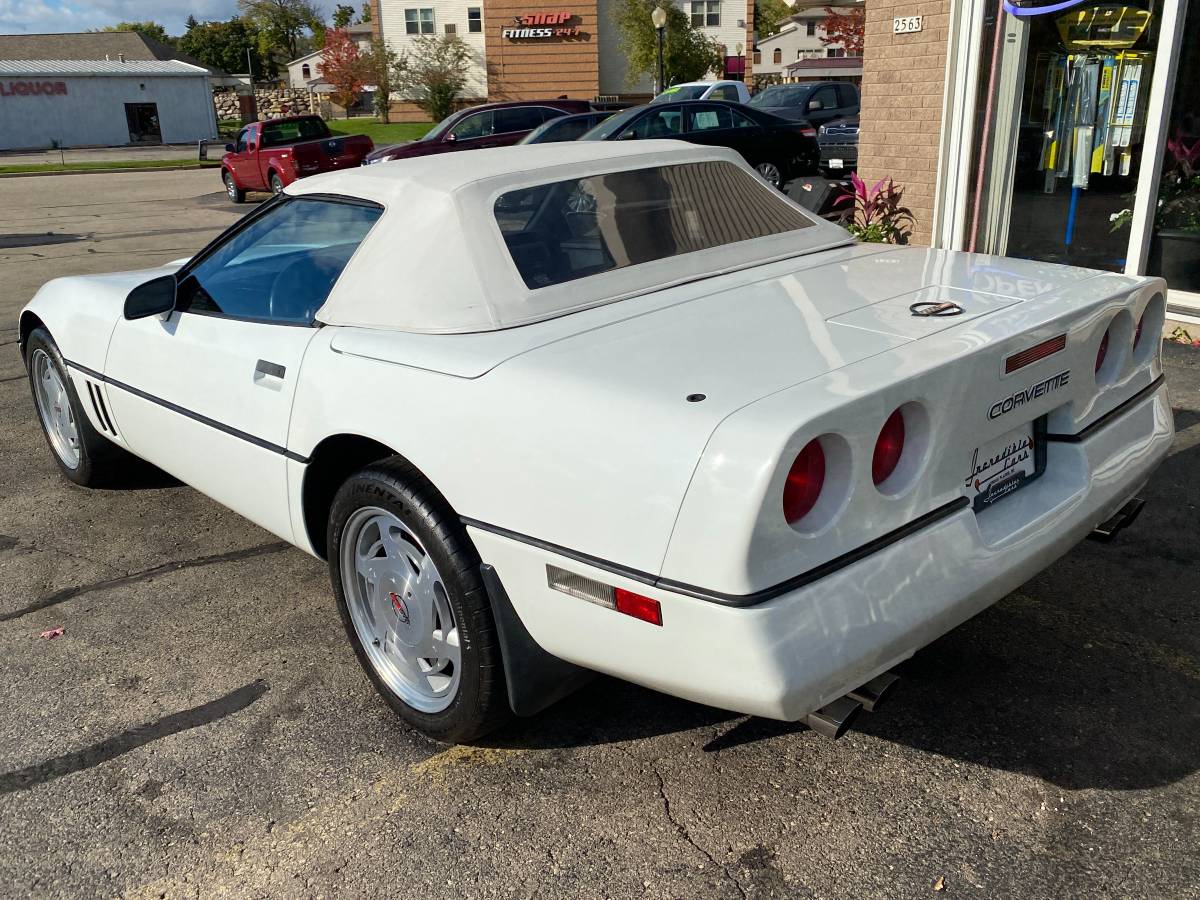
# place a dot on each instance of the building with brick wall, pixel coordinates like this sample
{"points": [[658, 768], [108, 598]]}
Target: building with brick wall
{"points": [[1055, 130], [518, 53]]}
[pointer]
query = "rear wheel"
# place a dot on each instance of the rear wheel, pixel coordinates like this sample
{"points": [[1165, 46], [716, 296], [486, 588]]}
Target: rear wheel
{"points": [[236, 194], [771, 174], [276, 183], [409, 591], [82, 453]]}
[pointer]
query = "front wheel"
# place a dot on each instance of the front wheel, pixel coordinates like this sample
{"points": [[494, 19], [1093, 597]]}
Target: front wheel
{"points": [[276, 183], [82, 454], [409, 591], [236, 194], [771, 174]]}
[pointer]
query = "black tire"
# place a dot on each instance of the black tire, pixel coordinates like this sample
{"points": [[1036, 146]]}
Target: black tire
{"points": [[232, 191], [100, 460], [276, 183], [481, 703]]}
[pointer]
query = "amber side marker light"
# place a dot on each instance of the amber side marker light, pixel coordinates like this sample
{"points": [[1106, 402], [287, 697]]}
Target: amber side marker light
{"points": [[1035, 353], [617, 599]]}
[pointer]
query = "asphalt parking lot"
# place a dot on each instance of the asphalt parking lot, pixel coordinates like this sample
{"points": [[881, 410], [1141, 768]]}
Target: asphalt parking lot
{"points": [[201, 727]]}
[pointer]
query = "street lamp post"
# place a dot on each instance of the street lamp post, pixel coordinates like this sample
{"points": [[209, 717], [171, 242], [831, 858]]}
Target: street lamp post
{"points": [[659, 18]]}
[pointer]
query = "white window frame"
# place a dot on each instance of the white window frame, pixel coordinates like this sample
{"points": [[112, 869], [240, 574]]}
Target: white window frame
{"points": [[474, 24]]}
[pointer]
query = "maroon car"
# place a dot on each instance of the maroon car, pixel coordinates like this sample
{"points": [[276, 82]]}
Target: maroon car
{"points": [[489, 125], [272, 154]]}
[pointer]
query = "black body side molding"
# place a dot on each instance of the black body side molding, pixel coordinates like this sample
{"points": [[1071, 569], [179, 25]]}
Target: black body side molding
{"points": [[536, 679]]}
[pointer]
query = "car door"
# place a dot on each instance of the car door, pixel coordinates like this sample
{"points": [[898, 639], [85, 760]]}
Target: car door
{"points": [[205, 392], [823, 105], [715, 126], [245, 161]]}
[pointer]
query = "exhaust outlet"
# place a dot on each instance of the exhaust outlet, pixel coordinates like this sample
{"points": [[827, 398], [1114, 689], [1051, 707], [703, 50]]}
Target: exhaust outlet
{"points": [[1121, 519], [871, 694], [831, 721]]}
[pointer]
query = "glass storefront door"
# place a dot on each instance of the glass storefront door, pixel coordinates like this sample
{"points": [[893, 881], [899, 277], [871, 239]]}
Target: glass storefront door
{"points": [[1060, 130], [1174, 251]]}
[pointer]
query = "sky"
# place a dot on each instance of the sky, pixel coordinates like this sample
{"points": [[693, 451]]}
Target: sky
{"points": [[40, 16]]}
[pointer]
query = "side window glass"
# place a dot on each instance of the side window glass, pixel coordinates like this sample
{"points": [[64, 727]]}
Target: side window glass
{"points": [[849, 95], [826, 97], [478, 125], [281, 266], [243, 140], [517, 118], [662, 123], [742, 121], [708, 118]]}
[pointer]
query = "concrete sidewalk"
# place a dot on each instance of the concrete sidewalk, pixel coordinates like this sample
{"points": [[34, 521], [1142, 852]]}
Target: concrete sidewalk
{"points": [[182, 152]]}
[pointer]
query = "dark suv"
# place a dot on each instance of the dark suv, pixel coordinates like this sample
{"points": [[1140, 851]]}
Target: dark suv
{"points": [[817, 102], [489, 125]]}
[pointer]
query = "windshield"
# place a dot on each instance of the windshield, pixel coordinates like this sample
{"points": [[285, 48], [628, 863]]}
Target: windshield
{"points": [[682, 92], [781, 95], [609, 127]]}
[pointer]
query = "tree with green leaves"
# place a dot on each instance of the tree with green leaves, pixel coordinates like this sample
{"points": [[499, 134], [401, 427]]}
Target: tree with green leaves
{"points": [[365, 16], [149, 29], [432, 72], [223, 45], [688, 54], [192, 22], [343, 15], [768, 15], [283, 26], [379, 65]]}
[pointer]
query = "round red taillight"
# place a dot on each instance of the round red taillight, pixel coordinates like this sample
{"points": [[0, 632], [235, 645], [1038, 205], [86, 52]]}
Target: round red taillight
{"points": [[805, 479], [889, 447], [1102, 352]]}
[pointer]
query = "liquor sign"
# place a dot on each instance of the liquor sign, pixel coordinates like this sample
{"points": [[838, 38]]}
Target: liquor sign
{"points": [[33, 89], [541, 26]]}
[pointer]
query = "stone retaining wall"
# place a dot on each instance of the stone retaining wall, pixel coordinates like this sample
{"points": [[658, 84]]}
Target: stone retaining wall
{"points": [[271, 103]]}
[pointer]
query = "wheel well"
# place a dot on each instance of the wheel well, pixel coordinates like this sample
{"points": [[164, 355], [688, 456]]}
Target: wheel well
{"points": [[333, 461], [29, 321]]}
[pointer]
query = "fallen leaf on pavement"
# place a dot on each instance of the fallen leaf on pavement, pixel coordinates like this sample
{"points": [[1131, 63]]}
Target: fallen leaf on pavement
{"points": [[939, 883], [53, 633]]}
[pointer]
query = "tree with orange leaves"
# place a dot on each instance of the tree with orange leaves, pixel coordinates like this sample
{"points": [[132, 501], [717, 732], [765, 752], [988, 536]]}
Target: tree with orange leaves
{"points": [[343, 67], [844, 29]]}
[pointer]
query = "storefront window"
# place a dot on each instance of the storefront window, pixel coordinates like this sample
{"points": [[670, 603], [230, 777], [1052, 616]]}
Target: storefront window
{"points": [[1175, 237], [1061, 117]]}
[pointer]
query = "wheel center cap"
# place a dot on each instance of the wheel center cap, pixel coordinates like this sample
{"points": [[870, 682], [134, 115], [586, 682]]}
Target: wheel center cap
{"points": [[400, 607]]}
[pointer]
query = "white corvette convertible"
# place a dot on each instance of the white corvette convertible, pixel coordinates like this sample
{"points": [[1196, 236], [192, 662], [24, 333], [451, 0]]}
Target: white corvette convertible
{"points": [[617, 408]]}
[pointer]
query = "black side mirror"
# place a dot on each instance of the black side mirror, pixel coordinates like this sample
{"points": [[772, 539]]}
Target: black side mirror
{"points": [[229, 148], [151, 299]]}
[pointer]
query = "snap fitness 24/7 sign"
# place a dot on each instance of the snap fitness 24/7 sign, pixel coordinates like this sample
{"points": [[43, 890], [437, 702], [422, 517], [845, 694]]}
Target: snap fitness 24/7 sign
{"points": [[541, 26], [33, 89]]}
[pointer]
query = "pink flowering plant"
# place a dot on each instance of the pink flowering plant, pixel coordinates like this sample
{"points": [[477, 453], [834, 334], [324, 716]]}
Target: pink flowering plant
{"points": [[877, 216]]}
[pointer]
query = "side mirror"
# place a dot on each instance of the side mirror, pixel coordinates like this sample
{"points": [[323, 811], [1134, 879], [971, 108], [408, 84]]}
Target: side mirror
{"points": [[451, 138], [251, 146], [629, 135], [814, 105], [151, 299], [229, 148]]}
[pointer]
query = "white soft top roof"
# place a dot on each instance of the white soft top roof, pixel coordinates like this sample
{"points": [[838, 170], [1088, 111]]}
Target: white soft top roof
{"points": [[436, 260]]}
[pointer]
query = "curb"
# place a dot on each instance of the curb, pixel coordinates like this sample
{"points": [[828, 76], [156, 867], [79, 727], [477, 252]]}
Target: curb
{"points": [[118, 171]]}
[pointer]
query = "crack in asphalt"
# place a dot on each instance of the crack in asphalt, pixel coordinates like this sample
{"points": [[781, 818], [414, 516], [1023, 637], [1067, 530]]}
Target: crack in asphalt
{"points": [[145, 575], [686, 835], [132, 739]]}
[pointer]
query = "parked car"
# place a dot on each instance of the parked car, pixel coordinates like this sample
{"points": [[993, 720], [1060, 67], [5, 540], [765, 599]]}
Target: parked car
{"points": [[270, 155], [817, 102], [477, 127], [838, 141], [778, 149], [734, 91], [565, 128], [645, 417]]}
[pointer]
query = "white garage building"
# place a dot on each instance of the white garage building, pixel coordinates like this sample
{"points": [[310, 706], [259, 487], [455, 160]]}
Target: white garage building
{"points": [[82, 103]]}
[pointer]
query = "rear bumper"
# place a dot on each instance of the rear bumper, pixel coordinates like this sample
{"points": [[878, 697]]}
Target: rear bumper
{"points": [[795, 653]]}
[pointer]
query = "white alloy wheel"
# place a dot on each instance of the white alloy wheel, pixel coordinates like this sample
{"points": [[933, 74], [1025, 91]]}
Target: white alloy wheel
{"points": [[54, 408], [400, 610], [771, 174]]}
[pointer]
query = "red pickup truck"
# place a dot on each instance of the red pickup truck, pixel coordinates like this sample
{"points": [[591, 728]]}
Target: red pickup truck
{"points": [[270, 155]]}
